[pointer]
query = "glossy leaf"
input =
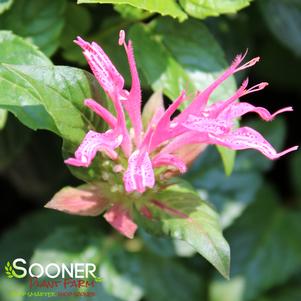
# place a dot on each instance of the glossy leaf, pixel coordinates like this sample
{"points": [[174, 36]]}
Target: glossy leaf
{"points": [[40, 21], [166, 247], [16, 50], [168, 7], [202, 9], [179, 212], [49, 98]]}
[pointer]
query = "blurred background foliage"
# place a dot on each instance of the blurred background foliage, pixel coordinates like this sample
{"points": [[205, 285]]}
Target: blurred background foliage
{"points": [[259, 202]]}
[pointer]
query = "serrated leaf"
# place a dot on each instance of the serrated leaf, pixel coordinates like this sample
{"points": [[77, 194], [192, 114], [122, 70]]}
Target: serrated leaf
{"points": [[179, 212], [16, 50], [40, 21], [206, 8], [274, 227], [49, 98], [168, 7], [283, 18], [5, 5]]}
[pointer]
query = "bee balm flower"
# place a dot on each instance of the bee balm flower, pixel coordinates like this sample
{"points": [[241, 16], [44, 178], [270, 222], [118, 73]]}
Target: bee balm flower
{"points": [[139, 151]]}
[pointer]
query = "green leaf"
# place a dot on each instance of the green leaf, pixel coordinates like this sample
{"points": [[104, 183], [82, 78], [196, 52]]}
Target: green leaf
{"points": [[228, 157], [131, 13], [207, 8], [179, 212], [5, 5], [49, 98], [166, 8], [265, 250], [74, 28], [16, 50], [166, 247], [283, 18], [40, 21], [52, 98]]}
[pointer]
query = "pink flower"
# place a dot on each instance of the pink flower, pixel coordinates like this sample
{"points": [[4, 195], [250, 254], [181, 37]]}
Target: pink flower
{"points": [[137, 152]]}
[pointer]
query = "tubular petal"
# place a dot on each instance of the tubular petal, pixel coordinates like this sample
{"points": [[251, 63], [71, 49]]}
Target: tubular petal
{"points": [[102, 112], [92, 143], [139, 174], [169, 160], [207, 125], [239, 109], [247, 138], [132, 103], [102, 67]]}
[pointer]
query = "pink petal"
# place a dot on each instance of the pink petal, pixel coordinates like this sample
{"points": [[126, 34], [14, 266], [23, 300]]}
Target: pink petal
{"points": [[207, 125], [169, 160], [120, 219], [247, 138], [139, 174], [102, 112], [239, 109], [164, 129], [112, 83], [133, 102], [217, 108], [92, 143], [83, 200], [201, 100], [102, 67]]}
